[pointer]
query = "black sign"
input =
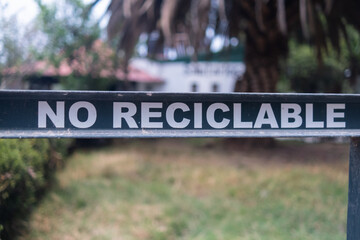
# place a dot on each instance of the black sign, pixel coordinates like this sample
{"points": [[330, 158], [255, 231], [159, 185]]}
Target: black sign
{"points": [[147, 114]]}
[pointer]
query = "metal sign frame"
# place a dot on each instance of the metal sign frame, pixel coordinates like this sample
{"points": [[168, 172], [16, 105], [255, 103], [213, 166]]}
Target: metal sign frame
{"points": [[84, 114]]}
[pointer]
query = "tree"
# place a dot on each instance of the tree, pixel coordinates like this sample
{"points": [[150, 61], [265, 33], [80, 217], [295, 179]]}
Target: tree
{"points": [[70, 35], [266, 25], [13, 45], [353, 57], [11, 48], [305, 76], [65, 26]]}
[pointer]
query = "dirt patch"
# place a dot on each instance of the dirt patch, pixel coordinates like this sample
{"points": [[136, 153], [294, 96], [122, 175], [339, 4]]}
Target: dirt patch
{"points": [[224, 151], [300, 153]]}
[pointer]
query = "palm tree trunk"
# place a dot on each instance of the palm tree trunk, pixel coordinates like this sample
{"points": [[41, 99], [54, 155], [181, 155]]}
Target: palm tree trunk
{"points": [[264, 48], [261, 74]]}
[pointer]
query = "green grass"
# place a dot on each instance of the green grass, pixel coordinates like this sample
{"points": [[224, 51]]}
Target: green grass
{"points": [[197, 189]]}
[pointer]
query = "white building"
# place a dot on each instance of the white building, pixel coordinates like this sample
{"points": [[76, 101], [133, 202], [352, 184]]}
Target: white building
{"points": [[181, 75]]}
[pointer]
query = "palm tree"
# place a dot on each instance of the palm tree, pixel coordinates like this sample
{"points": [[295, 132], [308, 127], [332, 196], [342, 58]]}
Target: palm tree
{"points": [[265, 24]]}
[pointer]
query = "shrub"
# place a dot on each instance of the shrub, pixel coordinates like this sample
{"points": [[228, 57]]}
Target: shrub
{"points": [[306, 75], [26, 167]]}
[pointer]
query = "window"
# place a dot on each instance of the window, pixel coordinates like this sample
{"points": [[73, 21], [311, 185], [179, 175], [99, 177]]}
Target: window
{"points": [[149, 87], [194, 87], [215, 87]]}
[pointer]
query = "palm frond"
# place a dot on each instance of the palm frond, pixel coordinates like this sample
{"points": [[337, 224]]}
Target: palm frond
{"points": [[168, 13], [114, 26], [259, 14], [328, 6], [281, 16], [199, 21], [320, 20], [303, 18]]}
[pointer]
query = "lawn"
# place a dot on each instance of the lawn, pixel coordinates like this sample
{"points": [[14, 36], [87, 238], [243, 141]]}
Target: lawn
{"points": [[197, 189]]}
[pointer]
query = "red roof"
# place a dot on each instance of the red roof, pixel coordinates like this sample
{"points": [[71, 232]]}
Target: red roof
{"points": [[137, 75], [41, 68], [84, 64]]}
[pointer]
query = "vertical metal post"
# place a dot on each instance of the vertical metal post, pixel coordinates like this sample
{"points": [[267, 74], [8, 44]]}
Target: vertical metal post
{"points": [[353, 217]]}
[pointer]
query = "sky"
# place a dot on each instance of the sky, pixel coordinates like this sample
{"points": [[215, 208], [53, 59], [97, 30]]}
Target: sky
{"points": [[26, 10]]}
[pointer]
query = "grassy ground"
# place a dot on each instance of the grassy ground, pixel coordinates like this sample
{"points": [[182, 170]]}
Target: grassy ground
{"points": [[197, 189]]}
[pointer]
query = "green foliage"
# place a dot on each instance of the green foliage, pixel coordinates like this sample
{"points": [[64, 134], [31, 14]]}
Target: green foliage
{"points": [[22, 164], [354, 43], [11, 49], [306, 75], [88, 83], [70, 37], [61, 146], [25, 169], [352, 56], [67, 26]]}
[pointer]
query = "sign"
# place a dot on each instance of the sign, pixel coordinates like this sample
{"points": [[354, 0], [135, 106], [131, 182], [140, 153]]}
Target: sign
{"points": [[53, 114], [145, 114], [215, 68]]}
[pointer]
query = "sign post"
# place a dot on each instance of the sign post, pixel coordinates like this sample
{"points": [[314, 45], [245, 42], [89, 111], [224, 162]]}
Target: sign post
{"points": [[72, 114], [353, 217]]}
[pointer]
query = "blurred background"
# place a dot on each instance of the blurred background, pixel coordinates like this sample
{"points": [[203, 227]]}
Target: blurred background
{"points": [[177, 188]]}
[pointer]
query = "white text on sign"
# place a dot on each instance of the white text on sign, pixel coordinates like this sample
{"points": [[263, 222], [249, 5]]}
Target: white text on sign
{"points": [[180, 115]]}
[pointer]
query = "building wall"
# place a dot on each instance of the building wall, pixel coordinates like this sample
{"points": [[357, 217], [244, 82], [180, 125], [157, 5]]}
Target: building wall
{"points": [[193, 76], [13, 82]]}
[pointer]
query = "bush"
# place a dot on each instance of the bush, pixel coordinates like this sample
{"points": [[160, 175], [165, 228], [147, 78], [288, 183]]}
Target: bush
{"points": [[88, 83], [306, 75], [26, 166]]}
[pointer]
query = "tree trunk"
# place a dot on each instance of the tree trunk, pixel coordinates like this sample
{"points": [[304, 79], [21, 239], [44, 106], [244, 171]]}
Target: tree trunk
{"points": [[261, 74], [264, 46], [263, 50]]}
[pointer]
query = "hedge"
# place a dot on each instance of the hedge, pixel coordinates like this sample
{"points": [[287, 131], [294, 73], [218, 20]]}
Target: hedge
{"points": [[26, 167]]}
